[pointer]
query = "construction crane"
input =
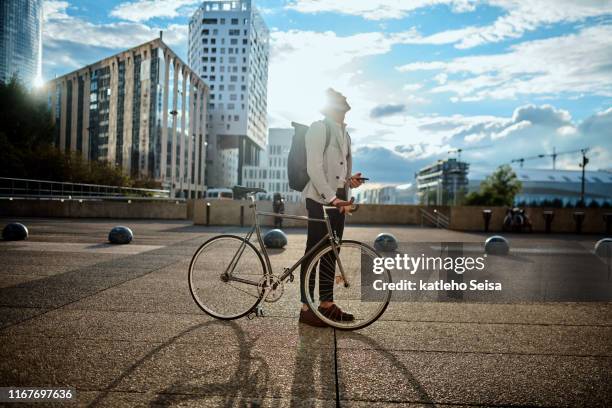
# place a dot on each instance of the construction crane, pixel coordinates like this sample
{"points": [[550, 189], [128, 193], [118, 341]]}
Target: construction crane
{"points": [[554, 156], [461, 149]]}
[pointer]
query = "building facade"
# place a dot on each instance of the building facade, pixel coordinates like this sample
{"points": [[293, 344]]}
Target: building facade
{"points": [[386, 194], [229, 49], [443, 182], [143, 109], [21, 40], [271, 174]]}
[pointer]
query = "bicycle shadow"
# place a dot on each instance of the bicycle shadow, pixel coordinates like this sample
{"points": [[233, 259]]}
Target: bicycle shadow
{"points": [[243, 388]]}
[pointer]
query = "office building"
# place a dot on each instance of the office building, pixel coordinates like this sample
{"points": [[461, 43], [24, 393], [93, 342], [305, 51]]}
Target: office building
{"points": [[228, 48], [443, 182], [21, 40], [271, 174], [385, 194], [143, 109]]}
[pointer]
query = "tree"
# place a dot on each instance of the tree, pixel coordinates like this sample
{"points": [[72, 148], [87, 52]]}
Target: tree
{"points": [[498, 189], [26, 145]]}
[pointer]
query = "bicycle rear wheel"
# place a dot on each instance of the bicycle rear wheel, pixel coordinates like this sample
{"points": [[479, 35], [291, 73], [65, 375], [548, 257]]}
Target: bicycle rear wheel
{"points": [[224, 275], [358, 297]]}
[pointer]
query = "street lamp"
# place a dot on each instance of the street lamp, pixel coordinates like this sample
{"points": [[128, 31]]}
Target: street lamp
{"points": [[585, 161]]}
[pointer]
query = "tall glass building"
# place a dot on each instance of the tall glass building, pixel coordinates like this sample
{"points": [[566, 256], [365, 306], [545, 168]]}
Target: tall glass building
{"points": [[229, 48], [143, 109], [21, 40]]}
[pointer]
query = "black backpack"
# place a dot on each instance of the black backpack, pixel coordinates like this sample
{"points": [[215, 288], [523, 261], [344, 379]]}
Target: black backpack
{"points": [[296, 162]]}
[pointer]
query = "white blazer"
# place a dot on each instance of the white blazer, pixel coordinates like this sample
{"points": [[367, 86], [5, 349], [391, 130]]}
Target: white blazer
{"points": [[328, 169]]}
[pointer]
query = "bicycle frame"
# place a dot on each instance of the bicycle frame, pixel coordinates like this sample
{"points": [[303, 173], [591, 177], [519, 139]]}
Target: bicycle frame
{"points": [[288, 272]]}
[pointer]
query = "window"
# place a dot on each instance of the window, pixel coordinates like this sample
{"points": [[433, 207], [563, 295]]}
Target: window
{"points": [[230, 106], [209, 21], [236, 118], [205, 41], [234, 21], [245, 41], [232, 60], [234, 41], [234, 32], [222, 21], [212, 78], [213, 41], [206, 32], [233, 78], [231, 87]]}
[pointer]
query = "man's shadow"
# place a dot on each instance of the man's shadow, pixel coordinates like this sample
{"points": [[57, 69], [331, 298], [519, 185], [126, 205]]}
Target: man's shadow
{"points": [[315, 353]]}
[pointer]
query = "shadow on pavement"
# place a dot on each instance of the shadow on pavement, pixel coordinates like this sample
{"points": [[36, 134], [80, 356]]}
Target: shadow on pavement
{"points": [[312, 353], [406, 375], [244, 388]]}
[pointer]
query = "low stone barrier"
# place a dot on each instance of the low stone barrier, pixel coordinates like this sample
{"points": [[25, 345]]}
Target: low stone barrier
{"points": [[149, 209], [228, 212], [471, 219]]}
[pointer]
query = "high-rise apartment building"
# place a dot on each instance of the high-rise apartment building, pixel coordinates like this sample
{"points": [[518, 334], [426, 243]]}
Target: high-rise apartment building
{"points": [[228, 48], [143, 109], [271, 173], [21, 40]]}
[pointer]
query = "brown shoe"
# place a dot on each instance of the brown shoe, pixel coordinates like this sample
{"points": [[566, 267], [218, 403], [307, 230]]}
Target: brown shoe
{"points": [[309, 318], [336, 314]]}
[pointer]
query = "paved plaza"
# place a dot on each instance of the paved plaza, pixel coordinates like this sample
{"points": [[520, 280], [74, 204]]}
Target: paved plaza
{"points": [[118, 324]]}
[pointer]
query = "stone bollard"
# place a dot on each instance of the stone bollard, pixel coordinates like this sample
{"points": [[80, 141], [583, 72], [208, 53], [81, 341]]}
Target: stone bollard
{"points": [[385, 242], [120, 235], [275, 239], [15, 231], [497, 245]]}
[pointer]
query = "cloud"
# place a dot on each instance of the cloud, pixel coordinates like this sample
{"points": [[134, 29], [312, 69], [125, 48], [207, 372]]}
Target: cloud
{"points": [[383, 165], [387, 110], [533, 130], [71, 42], [143, 10], [517, 16], [374, 10], [576, 63]]}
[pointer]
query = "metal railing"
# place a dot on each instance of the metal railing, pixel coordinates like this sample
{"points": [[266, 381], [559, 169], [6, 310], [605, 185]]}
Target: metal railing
{"points": [[27, 188], [436, 218]]}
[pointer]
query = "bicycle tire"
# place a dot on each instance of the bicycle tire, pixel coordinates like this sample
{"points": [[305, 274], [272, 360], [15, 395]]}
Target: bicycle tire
{"points": [[206, 309], [311, 302]]}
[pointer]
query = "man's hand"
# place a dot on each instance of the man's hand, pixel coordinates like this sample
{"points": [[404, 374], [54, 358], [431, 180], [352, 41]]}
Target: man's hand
{"points": [[342, 205], [355, 180]]}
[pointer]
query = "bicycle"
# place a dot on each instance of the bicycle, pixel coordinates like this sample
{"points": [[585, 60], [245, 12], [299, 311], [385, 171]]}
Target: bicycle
{"points": [[229, 277]]}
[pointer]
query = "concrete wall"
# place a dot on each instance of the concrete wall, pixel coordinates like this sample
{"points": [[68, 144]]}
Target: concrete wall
{"points": [[161, 210], [470, 219], [227, 212]]}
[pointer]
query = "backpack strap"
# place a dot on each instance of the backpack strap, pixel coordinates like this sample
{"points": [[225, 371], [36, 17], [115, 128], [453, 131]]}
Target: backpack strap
{"points": [[327, 136]]}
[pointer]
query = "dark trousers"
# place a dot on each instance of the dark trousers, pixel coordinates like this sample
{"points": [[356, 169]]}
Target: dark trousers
{"points": [[316, 231]]}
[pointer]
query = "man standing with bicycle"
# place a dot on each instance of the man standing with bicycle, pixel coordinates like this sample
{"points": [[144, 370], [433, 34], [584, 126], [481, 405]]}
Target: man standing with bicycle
{"points": [[329, 166]]}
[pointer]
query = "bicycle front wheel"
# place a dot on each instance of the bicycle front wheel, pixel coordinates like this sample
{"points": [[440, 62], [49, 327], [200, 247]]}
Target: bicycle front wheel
{"points": [[352, 293], [224, 277]]}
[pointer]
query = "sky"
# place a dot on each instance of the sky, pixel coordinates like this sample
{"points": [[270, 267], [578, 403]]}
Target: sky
{"points": [[500, 79]]}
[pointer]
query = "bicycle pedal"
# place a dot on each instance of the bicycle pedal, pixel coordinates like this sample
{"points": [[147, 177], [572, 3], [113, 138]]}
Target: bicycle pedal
{"points": [[259, 311]]}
